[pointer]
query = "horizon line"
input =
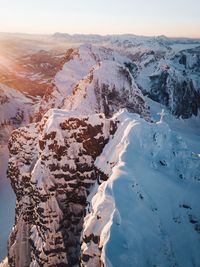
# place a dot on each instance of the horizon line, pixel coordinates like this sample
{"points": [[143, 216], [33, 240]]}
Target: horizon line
{"points": [[101, 35]]}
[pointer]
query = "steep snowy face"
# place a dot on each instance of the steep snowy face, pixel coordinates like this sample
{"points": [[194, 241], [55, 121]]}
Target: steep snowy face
{"points": [[52, 171], [147, 212], [173, 80], [96, 78], [108, 87], [78, 63]]}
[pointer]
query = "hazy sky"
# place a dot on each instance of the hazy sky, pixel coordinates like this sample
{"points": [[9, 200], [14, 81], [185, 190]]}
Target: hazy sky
{"points": [[145, 17]]}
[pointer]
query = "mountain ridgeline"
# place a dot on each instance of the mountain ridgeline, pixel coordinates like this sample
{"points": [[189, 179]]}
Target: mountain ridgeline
{"points": [[88, 161]]}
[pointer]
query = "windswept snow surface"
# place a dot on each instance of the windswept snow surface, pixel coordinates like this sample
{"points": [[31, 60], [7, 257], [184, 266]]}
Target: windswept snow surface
{"points": [[188, 129], [147, 213]]}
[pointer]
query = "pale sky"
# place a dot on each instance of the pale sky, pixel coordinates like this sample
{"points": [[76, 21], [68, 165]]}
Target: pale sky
{"points": [[144, 17]]}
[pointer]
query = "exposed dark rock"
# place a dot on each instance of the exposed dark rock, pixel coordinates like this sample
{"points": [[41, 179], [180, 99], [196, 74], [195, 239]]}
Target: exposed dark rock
{"points": [[52, 194], [179, 96]]}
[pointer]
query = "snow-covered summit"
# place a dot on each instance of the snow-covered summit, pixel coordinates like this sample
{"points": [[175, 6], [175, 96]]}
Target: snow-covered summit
{"points": [[108, 87], [147, 212], [94, 79]]}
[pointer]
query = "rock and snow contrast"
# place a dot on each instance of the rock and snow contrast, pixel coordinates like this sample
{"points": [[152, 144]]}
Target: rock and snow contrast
{"points": [[95, 80], [147, 212], [52, 169], [174, 81], [105, 160]]}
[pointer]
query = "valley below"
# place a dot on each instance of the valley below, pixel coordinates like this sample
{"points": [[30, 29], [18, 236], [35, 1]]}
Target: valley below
{"points": [[99, 151]]}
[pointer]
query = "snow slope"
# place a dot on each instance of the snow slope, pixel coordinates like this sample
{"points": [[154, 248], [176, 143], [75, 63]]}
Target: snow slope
{"points": [[147, 213], [108, 87], [79, 62], [188, 129], [168, 74], [90, 81]]}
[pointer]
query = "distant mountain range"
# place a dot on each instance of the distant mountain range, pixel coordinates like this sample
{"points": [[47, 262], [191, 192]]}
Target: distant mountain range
{"points": [[104, 149]]}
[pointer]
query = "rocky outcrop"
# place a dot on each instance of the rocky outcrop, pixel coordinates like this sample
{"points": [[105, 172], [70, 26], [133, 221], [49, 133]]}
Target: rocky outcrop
{"points": [[52, 171], [179, 95], [172, 80]]}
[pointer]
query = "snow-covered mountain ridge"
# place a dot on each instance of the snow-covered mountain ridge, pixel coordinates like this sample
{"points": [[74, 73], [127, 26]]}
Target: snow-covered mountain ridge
{"points": [[169, 75], [52, 170], [147, 212], [56, 167], [98, 180], [93, 80]]}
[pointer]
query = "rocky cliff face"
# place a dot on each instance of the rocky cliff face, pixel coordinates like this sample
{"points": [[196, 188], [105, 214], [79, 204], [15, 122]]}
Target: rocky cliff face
{"points": [[180, 96], [51, 163], [172, 80], [52, 171]]}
